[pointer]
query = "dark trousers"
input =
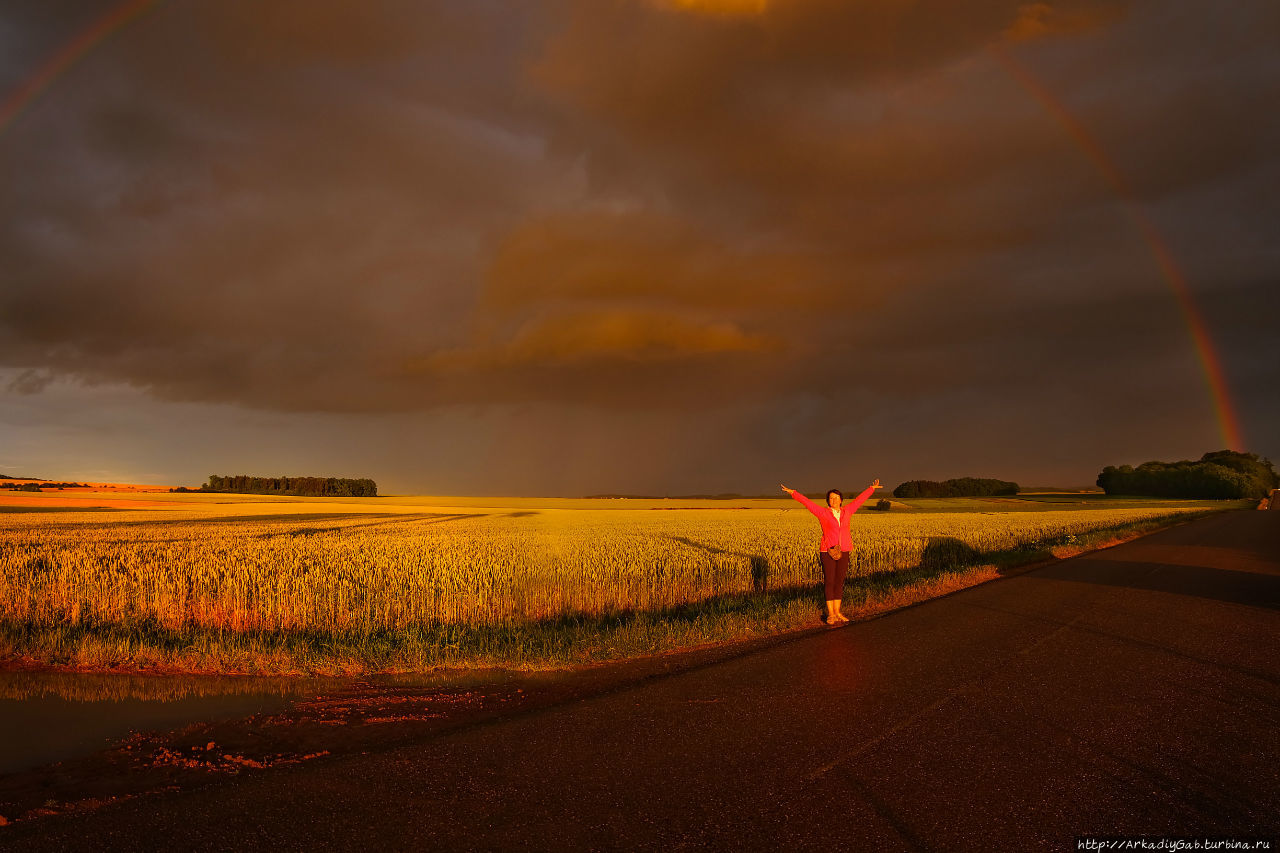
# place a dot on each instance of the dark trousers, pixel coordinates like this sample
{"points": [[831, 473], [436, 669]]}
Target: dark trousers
{"points": [[833, 572]]}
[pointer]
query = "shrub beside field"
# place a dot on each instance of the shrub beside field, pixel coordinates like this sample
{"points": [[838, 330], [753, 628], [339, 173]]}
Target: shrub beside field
{"points": [[362, 591]]}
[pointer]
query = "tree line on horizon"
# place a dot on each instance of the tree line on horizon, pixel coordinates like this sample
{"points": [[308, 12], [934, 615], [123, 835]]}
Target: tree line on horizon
{"points": [[960, 487], [318, 487], [1219, 475], [39, 486]]}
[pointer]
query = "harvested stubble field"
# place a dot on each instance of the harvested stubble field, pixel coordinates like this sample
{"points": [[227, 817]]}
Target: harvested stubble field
{"points": [[300, 586]]}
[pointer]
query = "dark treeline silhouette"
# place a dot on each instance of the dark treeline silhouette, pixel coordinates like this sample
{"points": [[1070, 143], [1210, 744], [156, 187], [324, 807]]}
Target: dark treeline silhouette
{"points": [[43, 484], [961, 487], [1223, 474], [320, 487]]}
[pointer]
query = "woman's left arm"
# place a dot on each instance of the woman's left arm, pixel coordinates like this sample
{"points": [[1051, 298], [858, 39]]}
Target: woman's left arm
{"points": [[862, 498]]}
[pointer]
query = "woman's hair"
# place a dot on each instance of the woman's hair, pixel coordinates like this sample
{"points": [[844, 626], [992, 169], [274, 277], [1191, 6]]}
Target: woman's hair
{"points": [[835, 492]]}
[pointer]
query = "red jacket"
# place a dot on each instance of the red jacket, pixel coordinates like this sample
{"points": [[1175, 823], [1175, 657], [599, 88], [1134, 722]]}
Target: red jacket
{"points": [[835, 532]]}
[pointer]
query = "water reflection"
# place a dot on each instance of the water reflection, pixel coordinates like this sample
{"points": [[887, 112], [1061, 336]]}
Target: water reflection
{"points": [[50, 717], [46, 717], [95, 687], [837, 663]]}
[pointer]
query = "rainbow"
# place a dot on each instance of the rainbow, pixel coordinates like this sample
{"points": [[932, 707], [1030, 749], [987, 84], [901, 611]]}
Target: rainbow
{"points": [[67, 56], [1211, 364]]}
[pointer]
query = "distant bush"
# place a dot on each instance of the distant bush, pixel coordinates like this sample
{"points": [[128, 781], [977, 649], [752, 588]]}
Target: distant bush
{"points": [[961, 487], [1221, 475], [883, 505], [320, 487]]}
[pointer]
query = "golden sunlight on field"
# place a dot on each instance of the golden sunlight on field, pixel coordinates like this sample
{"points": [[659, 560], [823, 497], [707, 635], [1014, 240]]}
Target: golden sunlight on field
{"points": [[117, 495], [353, 568]]}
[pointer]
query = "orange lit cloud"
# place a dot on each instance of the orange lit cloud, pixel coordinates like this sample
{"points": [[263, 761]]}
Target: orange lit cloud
{"points": [[583, 337], [1037, 20], [1032, 20], [594, 257], [720, 7]]}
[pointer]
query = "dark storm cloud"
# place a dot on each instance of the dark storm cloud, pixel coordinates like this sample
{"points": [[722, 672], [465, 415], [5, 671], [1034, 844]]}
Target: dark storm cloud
{"points": [[399, 206], [228, 211]]}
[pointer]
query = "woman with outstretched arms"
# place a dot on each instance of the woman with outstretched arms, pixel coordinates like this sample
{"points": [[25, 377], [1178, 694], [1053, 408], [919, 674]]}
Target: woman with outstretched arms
{"points": [[836, 542]]}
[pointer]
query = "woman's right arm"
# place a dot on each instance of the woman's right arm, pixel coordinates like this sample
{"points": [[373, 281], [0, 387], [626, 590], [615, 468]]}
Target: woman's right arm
{"points": [[808, 504]]}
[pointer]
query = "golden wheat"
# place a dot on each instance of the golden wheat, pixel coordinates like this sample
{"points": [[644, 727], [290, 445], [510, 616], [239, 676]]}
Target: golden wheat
{"points": [[353, 573]]}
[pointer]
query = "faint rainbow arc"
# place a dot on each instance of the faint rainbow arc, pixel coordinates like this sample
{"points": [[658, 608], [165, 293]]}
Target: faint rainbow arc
{"points": [[67, 56], [1215, 377]]}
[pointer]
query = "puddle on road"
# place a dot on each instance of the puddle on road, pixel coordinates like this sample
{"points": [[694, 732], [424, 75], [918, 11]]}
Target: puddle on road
{"points": [[50, 717], [72, 742]]}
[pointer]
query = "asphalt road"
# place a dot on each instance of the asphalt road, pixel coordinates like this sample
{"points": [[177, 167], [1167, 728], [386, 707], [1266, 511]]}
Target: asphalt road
{"points": [[1131, 691]]}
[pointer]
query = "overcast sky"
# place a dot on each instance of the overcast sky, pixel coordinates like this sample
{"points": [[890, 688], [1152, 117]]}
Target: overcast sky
{"points": [[579, 246]]}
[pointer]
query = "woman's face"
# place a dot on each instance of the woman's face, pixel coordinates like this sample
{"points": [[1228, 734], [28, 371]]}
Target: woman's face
{"points": [[833, 501]]}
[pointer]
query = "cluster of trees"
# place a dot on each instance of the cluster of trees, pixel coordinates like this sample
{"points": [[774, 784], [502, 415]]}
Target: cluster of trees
{"points": [[961, 487], [320, 487], [43, 484], [1223, 474]]}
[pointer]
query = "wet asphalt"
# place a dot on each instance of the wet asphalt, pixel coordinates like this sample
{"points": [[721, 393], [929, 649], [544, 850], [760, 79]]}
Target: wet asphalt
{"points": [[1135, 690]]}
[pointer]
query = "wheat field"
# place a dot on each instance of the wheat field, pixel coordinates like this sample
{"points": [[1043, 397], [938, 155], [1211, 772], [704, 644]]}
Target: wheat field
{"points": [[351, 570]]}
